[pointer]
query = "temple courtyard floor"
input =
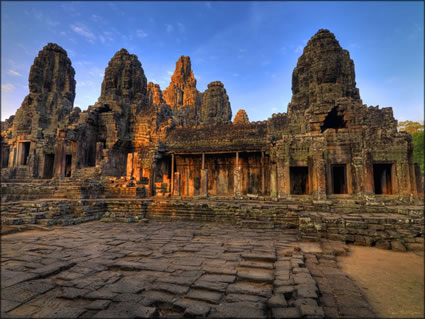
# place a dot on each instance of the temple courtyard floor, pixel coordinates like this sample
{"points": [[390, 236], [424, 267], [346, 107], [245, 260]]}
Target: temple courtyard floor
{"points": [[191, 269]]}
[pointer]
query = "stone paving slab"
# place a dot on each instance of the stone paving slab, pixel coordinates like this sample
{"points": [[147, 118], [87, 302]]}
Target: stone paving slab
{"points": [[171, 269]]}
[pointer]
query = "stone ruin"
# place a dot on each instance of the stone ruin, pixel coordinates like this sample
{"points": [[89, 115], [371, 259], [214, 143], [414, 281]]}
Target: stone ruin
{"points": [[138, 142]]}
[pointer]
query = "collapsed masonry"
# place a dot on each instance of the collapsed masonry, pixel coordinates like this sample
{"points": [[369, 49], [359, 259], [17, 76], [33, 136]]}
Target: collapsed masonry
{"points": [[181, 142]]}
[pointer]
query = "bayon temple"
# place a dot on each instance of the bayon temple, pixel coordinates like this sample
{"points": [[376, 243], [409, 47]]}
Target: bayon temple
{"points": [[138, 142]]}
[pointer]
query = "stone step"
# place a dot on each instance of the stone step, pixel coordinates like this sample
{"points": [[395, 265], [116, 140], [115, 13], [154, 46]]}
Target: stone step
{"points": [[257, 224], [12, 221]]}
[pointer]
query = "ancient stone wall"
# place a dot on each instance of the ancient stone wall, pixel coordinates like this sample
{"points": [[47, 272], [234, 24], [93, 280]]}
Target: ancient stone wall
{"points": [[328, 143]]}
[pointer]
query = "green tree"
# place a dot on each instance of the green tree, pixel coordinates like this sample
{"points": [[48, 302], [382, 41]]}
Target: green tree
{"points": [[410, 126], [418, 149], [416, 129]]}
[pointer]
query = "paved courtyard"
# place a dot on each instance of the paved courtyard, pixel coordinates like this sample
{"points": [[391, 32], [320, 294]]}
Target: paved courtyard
{"points": [[173, 270]]}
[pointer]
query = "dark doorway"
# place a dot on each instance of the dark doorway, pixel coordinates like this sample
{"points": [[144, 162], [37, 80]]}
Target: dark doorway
{"points": [[49, 160], [333, 120], [299, 180], [339, 179], [91, 156], [382, 178], [68, 163], [4, 156], [25, 149]]}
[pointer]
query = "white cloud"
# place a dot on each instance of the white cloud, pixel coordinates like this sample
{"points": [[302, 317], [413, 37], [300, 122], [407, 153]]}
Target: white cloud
{"points": [[235, 74], [141, 34], [299, 49], [108, 36], [14, 73], [181, 27], [96, 18], [169, 28], [170, 72], [83, 31], [7, 88]]}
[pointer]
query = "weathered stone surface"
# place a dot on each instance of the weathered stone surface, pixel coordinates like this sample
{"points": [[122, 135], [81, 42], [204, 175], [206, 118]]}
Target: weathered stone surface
{"points": [[204, 295], [256, 275], [154, 94], [215, 108], [241, 118], [277, 301], [124, 80], [52, 92], [323, 71], [281, 313], [237, 310], [182, 89]]}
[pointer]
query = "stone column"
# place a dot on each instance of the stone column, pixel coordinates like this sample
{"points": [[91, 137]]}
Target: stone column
{"points": [[99, 152], [237, 181], [368, 174], [319, 169], [130, 164], [12, 157], [60, 155], [19, 153], [284, 178], [204, 182], [172, 174], [273, 180], [177, 184], [263, 190]]}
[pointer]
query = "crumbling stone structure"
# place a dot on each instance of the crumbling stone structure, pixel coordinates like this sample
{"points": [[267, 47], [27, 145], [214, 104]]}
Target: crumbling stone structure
{"points": [[138, 141]]}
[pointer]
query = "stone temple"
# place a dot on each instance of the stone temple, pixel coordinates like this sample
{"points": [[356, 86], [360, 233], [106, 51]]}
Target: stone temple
{"points": [[141, 152]]}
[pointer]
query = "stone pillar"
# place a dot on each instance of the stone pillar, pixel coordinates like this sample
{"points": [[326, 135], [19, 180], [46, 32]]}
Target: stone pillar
{"points": [[263, 190], [203, 161], [12, 158], [284, 178], [319, 170], [413, 188], [19, 153], [273, 180], [172, 175], [368, 174], [60, 155], [99, 152], [237, 181], [177, 184], [130, 165], [204, 182]]}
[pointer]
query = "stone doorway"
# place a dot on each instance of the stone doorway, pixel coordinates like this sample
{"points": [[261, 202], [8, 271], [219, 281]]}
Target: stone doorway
{"points": [[339, 179], [24, 152], [49, 160], [382, 179], [68, 163], [4, 156], [299, 180]]}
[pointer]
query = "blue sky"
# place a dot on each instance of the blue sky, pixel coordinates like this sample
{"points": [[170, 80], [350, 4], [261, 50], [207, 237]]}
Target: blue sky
{"points": [[251, 47]]}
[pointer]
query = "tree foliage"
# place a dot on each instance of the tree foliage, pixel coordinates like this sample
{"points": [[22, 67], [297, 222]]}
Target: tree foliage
{"points": [[416, 129], [410, 127]]}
